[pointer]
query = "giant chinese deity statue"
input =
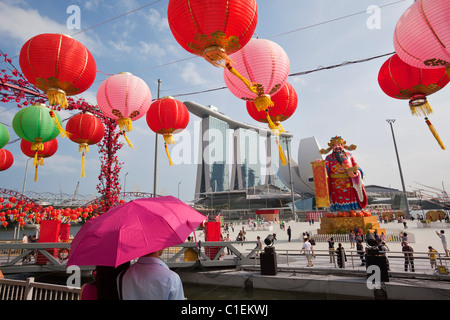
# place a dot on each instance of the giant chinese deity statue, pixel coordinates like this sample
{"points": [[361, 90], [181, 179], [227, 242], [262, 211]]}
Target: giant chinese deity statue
{"points": [[341, 178]]}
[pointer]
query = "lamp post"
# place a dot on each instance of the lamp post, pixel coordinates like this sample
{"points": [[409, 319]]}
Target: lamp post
{"points": [[155, 177], [391, 121], [179, 190], [124, 183]]}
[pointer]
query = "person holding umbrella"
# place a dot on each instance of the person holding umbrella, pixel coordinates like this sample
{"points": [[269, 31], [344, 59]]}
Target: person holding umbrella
{"points": [[150, 279], [142, 229]]}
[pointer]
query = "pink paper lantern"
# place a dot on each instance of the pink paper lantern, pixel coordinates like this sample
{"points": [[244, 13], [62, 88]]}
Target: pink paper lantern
{"points": [[422, 34], [124, 97], [265, 64]]}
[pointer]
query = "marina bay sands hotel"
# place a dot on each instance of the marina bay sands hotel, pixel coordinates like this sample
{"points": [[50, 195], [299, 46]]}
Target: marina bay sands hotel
{"points": [[239, 166]]}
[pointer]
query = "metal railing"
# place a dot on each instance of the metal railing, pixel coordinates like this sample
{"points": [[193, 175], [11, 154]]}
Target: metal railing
{"points": [[391, 235], [323, 260], [24, 257], [30, 290]]}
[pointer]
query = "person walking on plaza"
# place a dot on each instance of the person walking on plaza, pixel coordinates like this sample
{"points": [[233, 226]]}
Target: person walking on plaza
{"points": [[228, 239], [289, 232], [444, 241], [433, 258], [360, 250], [341, 256], [384, 248], [352, 238], [308, 249], [150, 279], [331, 249], [409, 257]]}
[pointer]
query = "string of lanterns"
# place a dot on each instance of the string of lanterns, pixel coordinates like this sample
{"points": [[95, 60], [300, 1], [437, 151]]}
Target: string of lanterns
{"points": [[255, 70]]}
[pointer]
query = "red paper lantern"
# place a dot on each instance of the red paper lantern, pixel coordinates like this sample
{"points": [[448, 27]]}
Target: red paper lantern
{"points": [[422, 34], [167, 116], [285, 103], [402, 81], [58, 65], [48, 150], [6, 159], [212, 29], [125, 98], [85, 129]]}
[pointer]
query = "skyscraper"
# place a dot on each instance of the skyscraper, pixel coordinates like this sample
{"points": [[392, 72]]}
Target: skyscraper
{"points": [[234, 155]]}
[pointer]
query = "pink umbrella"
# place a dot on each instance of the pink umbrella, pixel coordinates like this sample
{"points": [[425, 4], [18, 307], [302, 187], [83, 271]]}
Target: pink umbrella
{"points": [[132, 230]]}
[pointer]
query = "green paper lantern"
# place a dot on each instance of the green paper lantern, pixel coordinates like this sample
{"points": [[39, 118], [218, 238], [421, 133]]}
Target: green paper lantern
{"points": [[4, 135], [35, 124]]}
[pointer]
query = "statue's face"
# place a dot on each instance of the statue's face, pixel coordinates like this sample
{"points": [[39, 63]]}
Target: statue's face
{"points": [[337, 147]]}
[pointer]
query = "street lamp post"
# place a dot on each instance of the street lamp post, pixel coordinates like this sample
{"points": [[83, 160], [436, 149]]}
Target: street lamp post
{"points": [[391, 121], [155, 177], [124, 183], [179, 190]]}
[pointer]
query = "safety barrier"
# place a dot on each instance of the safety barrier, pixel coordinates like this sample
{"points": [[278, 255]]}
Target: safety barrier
{"points": [[30, 290], [391, 235]]}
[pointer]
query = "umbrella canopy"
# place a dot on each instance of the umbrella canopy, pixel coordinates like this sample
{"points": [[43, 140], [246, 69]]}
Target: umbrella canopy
{"points": [[132, 230]]}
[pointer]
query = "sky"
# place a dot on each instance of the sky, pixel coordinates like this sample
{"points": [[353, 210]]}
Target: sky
{"points": [[134, 36]]}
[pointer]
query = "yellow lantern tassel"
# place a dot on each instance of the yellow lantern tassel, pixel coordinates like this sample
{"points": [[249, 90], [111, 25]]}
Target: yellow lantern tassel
{"points": [[127, 140], [35, 173], [215, 55], [280, 127], [82, 165], [57, 97], [250, 85], [36, 146], [281, 153], [62, 132], [168, 138], [125, 124], [422, 109], [273, 127], [168, 154], [447, 69], [435, 133], [263, 102], [39, 162], [83, 148]]}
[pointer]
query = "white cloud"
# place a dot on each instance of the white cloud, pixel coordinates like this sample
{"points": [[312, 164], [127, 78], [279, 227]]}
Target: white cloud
{"points": [[120, 46], [152, 49], [191, 75], [12, 26], [155, 20]]}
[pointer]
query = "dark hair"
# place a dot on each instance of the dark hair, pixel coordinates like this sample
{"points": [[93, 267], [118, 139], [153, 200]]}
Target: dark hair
{"points": [[105, 280]]}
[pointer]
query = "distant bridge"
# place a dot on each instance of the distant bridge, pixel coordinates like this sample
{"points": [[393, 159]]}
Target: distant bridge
{"points": [[64, 200]]}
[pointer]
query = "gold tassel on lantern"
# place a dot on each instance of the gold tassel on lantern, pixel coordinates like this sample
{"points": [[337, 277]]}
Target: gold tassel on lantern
{"points": [[280, 127], [62, 132], [262, 102], [250, 85], [273, 127], [83, 148], [37, 146], [435, 134], [215, 55], [168, 154], [39, 162], [281, 153], [57, 97], [127, 140], [168, 138], [126, 125], [420, 107]]}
